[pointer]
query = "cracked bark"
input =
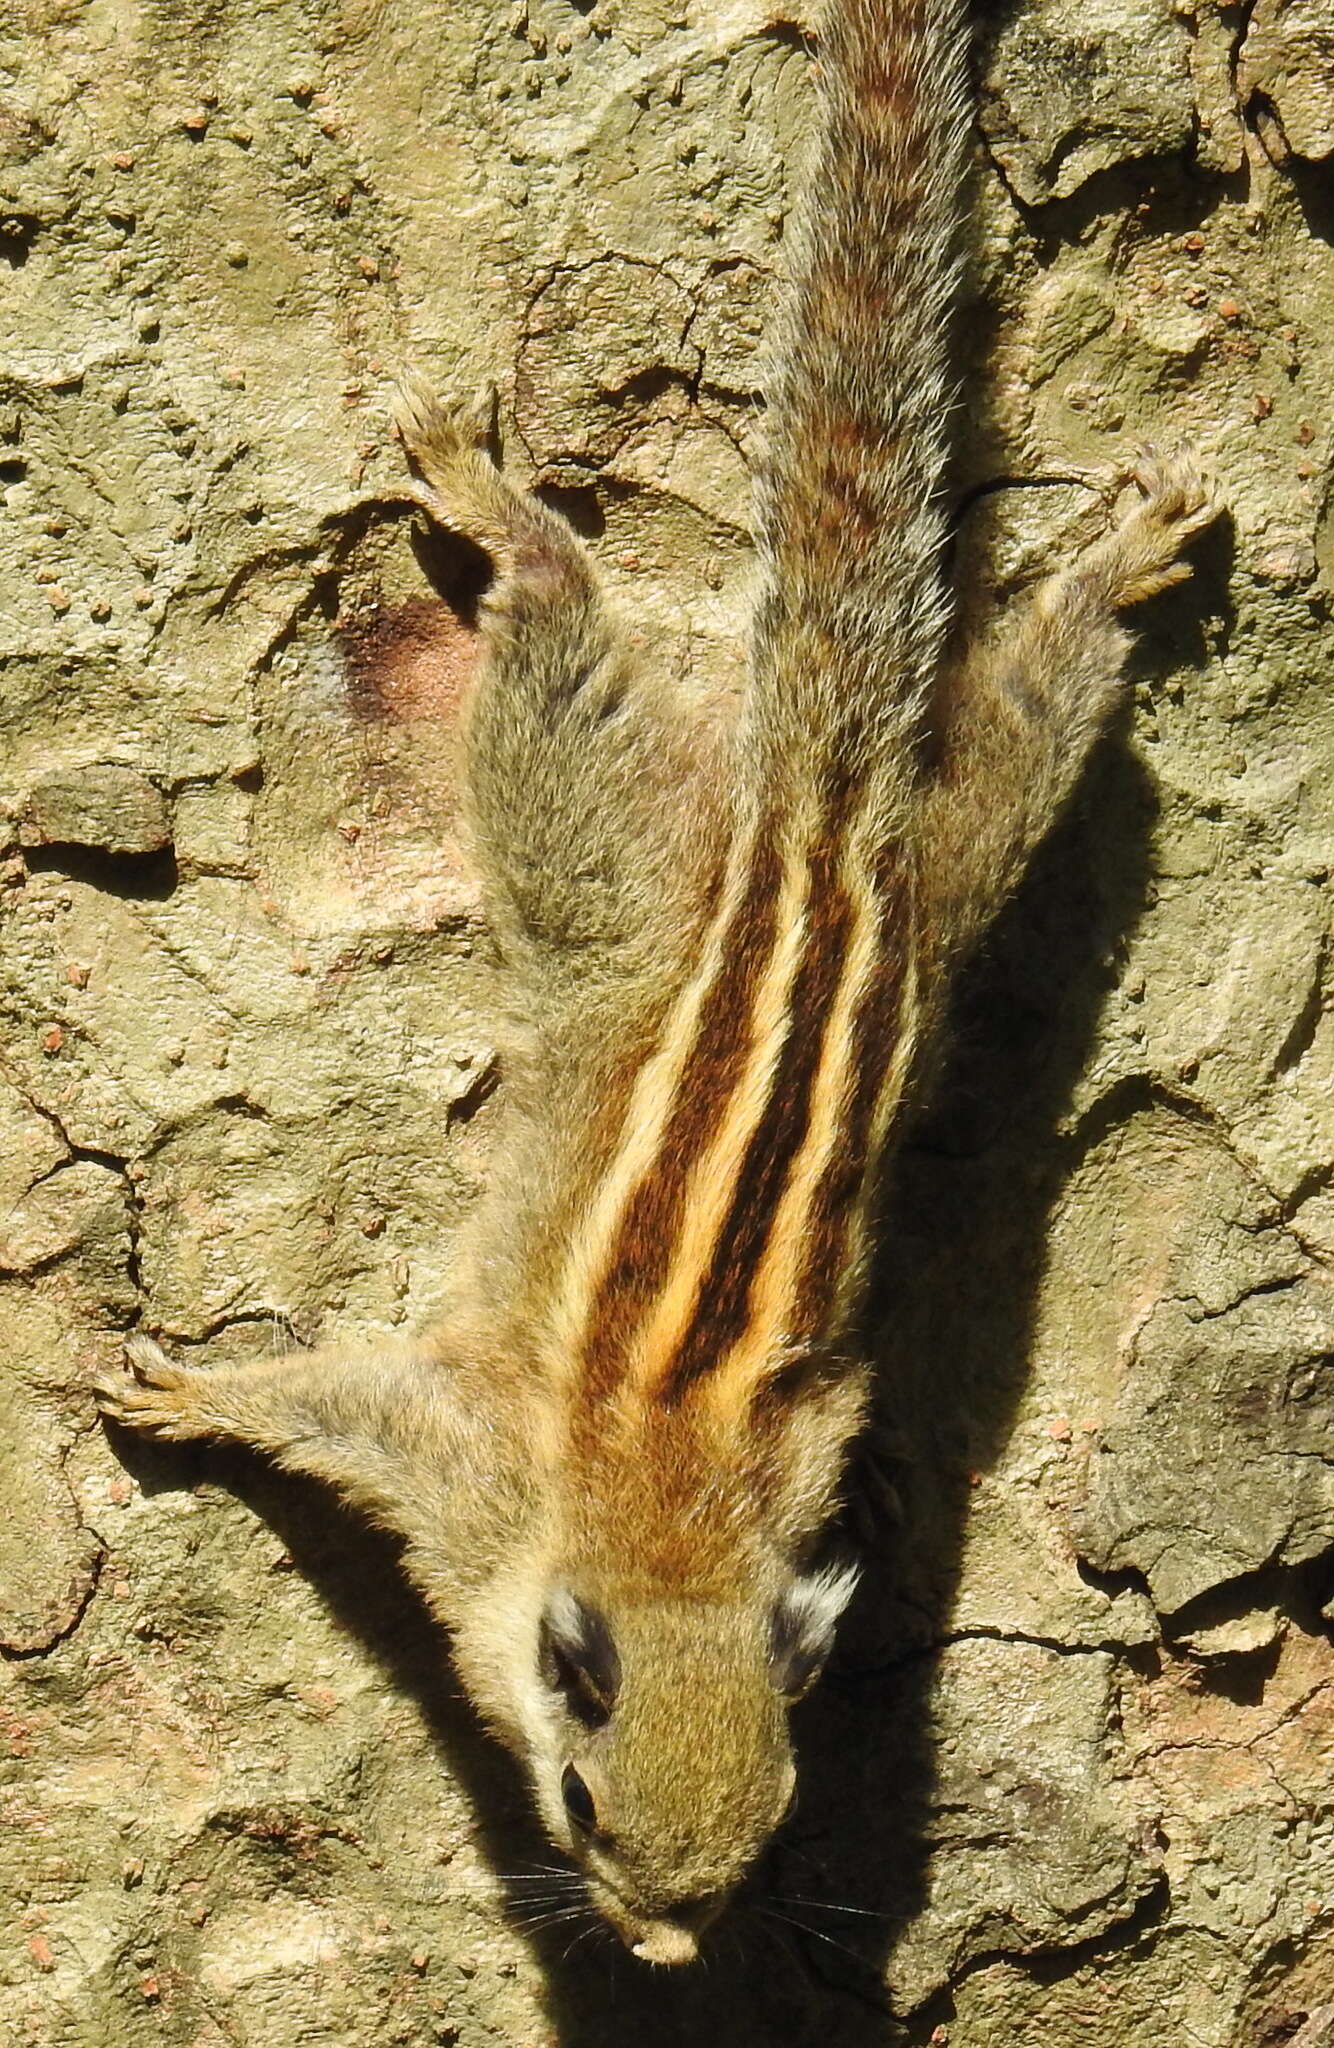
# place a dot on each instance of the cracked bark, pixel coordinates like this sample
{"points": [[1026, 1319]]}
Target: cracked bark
{"points": [[1069, 1778]]}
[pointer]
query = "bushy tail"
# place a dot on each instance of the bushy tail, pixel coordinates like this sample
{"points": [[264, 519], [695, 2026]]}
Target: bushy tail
{"points": [[852, 611]]}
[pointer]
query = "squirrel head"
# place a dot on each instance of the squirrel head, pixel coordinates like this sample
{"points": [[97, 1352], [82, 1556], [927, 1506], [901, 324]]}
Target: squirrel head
{"points": [[668, 1590], [655, 1727]]}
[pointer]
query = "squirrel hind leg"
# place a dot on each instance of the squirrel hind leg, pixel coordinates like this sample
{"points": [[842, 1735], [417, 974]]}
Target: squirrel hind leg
{"points": [[445, 440], [579, 747], [1143, 553]]}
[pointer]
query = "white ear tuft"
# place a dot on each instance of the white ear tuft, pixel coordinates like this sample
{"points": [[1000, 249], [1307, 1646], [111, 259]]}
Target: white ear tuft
{"points": [[564, 1615], [804, 1624]]}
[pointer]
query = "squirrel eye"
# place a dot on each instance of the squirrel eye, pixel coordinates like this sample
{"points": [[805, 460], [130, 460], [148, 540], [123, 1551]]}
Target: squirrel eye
{"points": [[578, 1800]]}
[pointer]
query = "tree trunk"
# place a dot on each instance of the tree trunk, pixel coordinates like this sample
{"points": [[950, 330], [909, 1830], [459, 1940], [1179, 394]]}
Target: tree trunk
{"points": [[1069, 1780]]}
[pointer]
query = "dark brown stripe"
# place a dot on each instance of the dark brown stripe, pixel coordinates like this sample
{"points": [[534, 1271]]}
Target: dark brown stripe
{"points": [[723, 1301], [641, 1257], [877, 1026]]}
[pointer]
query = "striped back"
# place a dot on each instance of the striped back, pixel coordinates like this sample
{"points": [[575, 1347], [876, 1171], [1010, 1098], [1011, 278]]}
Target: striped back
{"points": [[722, 1245]]}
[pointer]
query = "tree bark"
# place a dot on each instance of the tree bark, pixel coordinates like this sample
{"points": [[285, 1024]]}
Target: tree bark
{"points": [[1069, 1779]]}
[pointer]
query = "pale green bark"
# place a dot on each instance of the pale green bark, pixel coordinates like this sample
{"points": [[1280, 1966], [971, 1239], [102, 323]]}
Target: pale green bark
{"points": [[1078, 1750]]}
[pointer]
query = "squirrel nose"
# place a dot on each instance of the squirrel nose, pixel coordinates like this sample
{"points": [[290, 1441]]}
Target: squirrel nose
{"points": [[667, 1943], [676, 1940]]}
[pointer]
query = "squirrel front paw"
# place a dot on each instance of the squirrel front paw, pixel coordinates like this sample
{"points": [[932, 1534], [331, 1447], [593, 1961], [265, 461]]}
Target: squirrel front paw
{"points": [[1181, 497], [151, 1395]]}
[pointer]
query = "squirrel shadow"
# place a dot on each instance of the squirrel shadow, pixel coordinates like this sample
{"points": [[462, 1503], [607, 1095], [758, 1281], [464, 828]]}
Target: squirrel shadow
{"points": [[812, 1950]]}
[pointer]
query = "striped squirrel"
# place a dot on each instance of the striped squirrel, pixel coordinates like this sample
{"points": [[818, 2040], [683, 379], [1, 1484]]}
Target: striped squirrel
{"points": [[612, 1458]]}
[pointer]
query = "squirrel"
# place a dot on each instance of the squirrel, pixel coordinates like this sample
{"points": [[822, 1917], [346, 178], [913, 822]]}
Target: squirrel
{"points": [[614, 1457]]}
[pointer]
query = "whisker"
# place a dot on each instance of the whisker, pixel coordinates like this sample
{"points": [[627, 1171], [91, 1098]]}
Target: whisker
{"points": [[533, 1902], [817, 1933], [530, 1895], [554, 1884], [557, 1879], [767, 1923], [534, 1923], [499, 1891], [544, 1922], [594, 1927], [828, 1906]]}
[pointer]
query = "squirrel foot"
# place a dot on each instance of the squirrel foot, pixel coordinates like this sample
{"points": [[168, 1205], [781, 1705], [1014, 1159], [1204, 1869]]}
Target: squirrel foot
{"points": [[152, 1395], [1141, 556], [438, 431]]}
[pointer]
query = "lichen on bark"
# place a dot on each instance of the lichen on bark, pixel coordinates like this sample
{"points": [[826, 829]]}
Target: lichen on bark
{"points": [[1070, 1777]]}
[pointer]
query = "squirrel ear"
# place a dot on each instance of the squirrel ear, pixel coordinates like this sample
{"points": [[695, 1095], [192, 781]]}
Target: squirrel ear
{"points": [[802, 1633], [577, 1656]]}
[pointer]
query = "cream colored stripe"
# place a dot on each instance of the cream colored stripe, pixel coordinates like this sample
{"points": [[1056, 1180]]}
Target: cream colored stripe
{"points": [[711, 1190], [765, 1345], [651, 1102]]}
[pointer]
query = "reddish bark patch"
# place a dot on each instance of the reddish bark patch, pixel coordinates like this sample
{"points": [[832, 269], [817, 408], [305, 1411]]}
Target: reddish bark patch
{"points": [[407, 661]]}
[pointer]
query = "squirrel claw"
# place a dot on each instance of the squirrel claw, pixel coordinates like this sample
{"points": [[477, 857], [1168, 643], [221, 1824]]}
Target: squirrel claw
{"points": [[430, 425], [1180, 497], [1179, 485], [151, 1395]]}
